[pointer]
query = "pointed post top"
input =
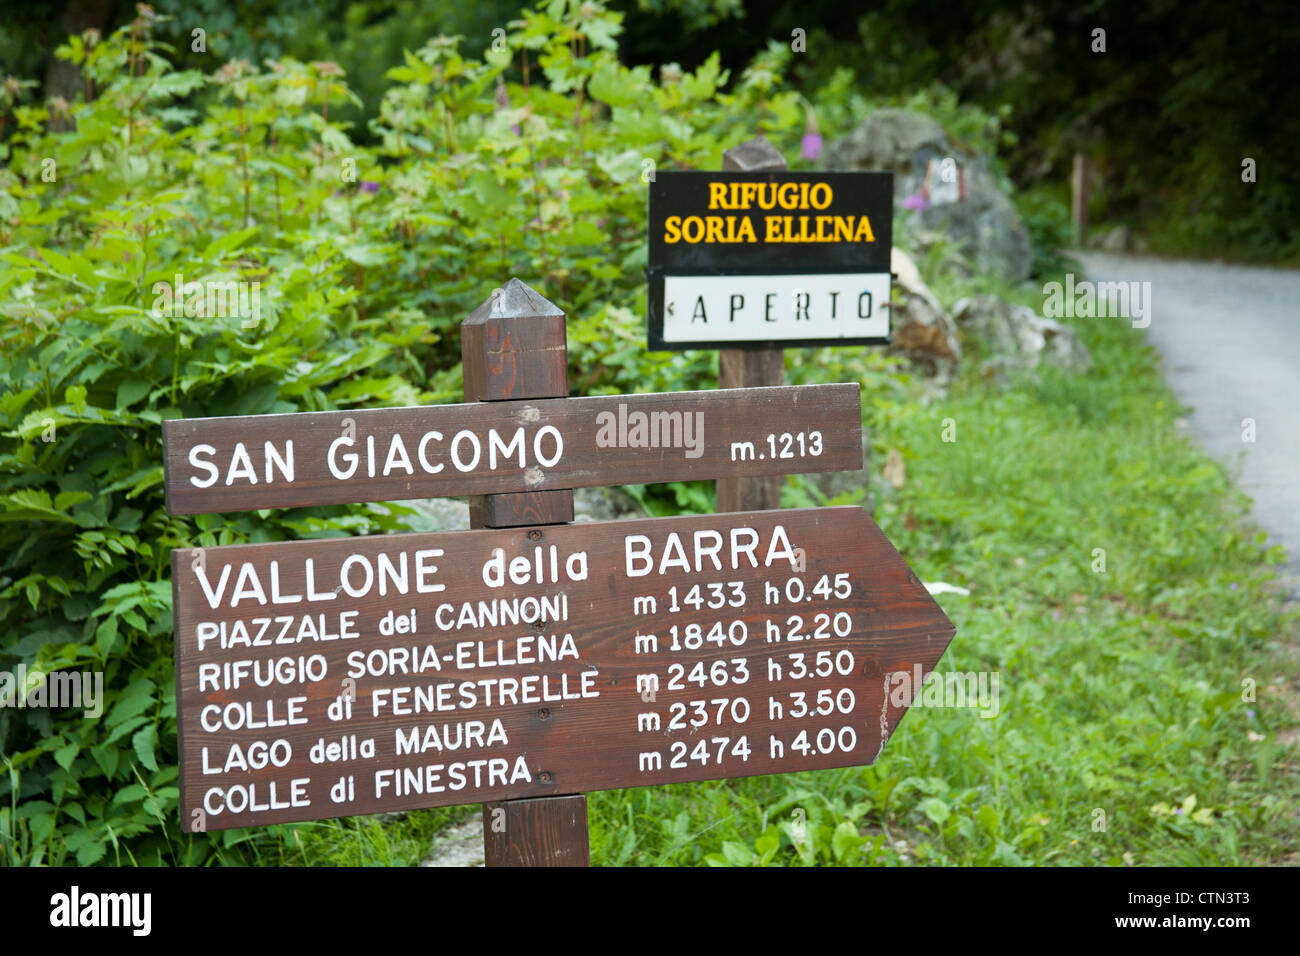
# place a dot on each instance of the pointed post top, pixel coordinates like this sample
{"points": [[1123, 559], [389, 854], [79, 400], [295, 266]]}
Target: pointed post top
{"points": [[514, 300], [752, 156], [513, 346]]}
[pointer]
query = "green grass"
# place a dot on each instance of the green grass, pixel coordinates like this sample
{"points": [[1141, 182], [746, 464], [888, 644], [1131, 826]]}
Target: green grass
{"points": [[1121, 692], [399, 840]]}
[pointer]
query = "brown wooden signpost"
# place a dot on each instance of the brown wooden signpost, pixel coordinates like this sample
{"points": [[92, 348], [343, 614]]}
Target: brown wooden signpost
{"points": [[529, 661], [392, 454], [390, 672], [514, 346]]}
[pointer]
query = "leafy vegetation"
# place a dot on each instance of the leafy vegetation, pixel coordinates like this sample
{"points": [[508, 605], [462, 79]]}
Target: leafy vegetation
{"points": [[366, 260], [1168, 104], [367, 257], [1167, 100]]}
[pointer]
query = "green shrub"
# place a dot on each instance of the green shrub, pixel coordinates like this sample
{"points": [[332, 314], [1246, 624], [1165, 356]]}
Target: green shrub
{"points": [[366, 260]]}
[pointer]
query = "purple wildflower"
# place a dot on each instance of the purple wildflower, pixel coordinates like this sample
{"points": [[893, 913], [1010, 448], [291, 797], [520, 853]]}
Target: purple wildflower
{"points": [[1233, 586], [368, 186], [811, 147], [916, 201], [1250, 713], [1178, 810]]}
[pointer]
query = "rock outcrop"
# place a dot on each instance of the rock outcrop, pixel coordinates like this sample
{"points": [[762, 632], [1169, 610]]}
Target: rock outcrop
{"points": [[1018, 336], [921, 329], [984, 220]]}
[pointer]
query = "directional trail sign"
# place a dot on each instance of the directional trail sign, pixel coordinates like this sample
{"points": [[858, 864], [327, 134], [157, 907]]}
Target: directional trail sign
{"points": [[395, 454], [327, 678], [769, 259], [529, 658]]}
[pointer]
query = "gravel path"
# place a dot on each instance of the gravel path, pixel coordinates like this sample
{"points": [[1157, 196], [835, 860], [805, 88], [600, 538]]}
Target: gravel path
{"points": [[1229, 340]]}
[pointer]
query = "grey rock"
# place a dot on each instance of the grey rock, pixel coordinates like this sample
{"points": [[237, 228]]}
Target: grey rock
{"points": [[439, 514], [985, 220], [920, 327], [604, 504], [1020, 337]]}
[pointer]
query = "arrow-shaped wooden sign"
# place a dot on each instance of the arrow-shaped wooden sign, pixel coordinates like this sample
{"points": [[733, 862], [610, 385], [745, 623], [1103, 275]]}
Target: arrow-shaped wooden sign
{"points": [[328, 678]]}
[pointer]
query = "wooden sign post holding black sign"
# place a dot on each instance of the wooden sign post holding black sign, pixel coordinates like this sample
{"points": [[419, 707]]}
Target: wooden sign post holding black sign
{"points": [[757, 259], [751, 368]]}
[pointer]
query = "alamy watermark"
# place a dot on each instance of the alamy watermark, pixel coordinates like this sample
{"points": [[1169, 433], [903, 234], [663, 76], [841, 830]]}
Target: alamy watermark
{"points": [[81, 908], [209, 298], [651, 430], [56, 691], [1086, 299], [946, 689]]}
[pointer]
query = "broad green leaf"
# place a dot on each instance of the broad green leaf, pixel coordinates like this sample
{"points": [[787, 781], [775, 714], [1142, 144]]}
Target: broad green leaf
{"points": [[143, 742], [935, 809], [737, 854]]}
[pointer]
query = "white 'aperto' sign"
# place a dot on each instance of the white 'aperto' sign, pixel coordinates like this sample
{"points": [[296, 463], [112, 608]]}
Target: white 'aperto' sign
{"points": [[748, 308]]}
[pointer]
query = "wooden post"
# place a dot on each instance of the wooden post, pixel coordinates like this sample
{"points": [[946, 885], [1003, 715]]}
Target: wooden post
{"points": [[545, 831], [1079, 198], [749, 368], [513, 346]]}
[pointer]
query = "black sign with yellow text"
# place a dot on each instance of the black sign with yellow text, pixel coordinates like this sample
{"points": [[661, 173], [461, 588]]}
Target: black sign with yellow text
{"points": [[774, 222], [808, 253]]}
